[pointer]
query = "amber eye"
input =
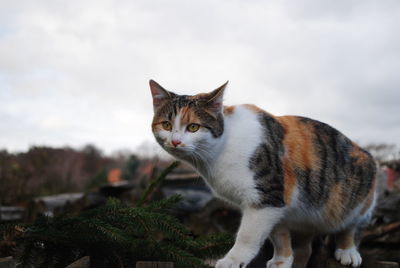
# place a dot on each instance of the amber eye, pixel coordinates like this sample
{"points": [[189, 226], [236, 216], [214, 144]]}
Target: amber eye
{"points": [[193, 127], [167, 125]]}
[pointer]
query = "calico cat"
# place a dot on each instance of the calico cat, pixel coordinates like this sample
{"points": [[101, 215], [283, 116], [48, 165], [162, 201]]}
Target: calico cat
{"points": [[290, 176]]}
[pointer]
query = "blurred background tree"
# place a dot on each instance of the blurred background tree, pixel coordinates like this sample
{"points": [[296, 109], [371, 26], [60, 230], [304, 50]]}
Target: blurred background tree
{"points": [[130, 169], [46, 171]]}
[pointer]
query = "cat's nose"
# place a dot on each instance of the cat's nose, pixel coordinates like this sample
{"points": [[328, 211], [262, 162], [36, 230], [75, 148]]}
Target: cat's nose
{"points": [[176, 142]]}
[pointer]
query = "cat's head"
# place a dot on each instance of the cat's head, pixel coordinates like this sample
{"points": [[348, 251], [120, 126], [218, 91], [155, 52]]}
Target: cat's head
{"points": [[187, 126]]}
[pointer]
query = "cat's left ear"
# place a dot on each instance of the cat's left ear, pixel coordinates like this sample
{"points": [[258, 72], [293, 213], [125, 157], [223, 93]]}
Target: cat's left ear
{"points": [[215, 98]]}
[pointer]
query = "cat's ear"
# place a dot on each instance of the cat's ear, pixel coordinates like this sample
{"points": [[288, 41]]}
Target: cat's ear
{"points": [[215, 98], [159, 93]]}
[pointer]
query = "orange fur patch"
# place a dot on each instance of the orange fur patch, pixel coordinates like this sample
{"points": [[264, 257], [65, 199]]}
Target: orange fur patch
{"points": [[345, 239], [228, 110], [285, 250], [156, 126], [188, 116], [333, 208], [282, 242], [290, 181], [358, 154], [299, 151], [255, 109]]}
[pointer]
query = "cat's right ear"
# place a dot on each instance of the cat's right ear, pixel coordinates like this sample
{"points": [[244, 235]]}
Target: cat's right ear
{"points": [[159, 93]]}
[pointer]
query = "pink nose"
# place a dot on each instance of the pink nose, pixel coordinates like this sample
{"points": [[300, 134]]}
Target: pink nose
{"points": [[176, 142]]}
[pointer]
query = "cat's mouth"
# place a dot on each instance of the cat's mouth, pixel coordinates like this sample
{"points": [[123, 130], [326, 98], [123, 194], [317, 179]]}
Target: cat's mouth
{"points": [[170, 147], [176, 150]]}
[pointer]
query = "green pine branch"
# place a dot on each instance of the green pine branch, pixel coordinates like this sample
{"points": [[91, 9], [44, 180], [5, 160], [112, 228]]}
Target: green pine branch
{"points": [[116, 235], [156, 182]]}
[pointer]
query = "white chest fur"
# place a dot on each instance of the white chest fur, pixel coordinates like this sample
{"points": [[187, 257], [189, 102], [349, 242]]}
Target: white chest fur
{"points": [[230, 177]]}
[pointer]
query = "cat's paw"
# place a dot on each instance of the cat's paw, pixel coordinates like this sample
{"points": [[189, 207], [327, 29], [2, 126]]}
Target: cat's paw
{"points": [[229, 262], [280, 262], [348, 256]]}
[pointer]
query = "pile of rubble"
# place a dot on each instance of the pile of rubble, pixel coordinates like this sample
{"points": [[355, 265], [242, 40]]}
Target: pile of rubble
{"points": [[381, 241]]}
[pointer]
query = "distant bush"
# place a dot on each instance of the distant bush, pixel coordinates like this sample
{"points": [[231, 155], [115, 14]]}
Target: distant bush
{"points": [[46, 171]]}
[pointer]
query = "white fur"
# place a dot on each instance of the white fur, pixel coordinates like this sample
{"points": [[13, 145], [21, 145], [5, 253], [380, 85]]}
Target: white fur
{"points": [[348, 256], [280, 262], [230, 178], [229, 175], [255, 227], [177, 130]]}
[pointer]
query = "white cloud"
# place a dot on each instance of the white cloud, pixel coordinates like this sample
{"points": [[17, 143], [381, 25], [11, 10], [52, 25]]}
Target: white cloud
{"points": [[76, 72]]}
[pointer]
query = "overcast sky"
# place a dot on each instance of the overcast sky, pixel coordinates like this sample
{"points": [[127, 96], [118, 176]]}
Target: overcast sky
{"points": [[76, 72]]}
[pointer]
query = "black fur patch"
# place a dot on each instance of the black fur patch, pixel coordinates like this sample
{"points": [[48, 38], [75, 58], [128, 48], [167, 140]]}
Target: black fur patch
{"points": [[266, 163]]}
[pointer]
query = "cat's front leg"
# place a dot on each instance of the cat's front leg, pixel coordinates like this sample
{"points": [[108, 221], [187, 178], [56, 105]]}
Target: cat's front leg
{"points": [[255, 227]]}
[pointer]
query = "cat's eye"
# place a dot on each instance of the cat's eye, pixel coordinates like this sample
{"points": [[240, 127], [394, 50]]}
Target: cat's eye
{"points": [[167, 125], [193, 127]]}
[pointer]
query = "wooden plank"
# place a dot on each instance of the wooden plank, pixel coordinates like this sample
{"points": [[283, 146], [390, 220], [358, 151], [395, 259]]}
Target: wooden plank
{"points": [[83, 262], [7, 262], [151, 264], [167, 265], [386, 264], [144, 264]]}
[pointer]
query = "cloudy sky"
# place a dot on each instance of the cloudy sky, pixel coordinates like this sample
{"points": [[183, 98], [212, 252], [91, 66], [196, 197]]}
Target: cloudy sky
{"points": [[76, 72]]}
